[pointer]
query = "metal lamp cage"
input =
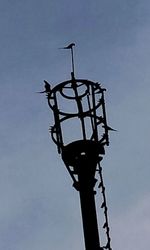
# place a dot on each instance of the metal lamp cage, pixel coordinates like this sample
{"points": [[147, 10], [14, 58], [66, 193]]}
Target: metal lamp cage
{"points": [[79, 113]]}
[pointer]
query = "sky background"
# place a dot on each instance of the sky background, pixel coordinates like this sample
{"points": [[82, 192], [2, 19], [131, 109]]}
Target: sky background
{"points": [[39, 209]]}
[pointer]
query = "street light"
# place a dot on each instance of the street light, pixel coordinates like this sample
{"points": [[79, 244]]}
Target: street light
{"points": [[78, 107]]}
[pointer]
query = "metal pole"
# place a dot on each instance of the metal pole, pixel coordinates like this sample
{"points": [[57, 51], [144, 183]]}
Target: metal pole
{"points": [[72, 59], [88, 208]]}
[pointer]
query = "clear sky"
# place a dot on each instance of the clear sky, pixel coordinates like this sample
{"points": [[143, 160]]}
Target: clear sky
{"points": [[39, 209]]}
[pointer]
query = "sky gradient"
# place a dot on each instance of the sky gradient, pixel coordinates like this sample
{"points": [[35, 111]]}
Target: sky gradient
{"points": [[39, 208]]}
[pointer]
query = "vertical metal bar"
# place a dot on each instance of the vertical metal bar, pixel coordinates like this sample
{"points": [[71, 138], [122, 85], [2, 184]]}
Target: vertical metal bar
{"points": [[105, 121], [79, 105], [57, 125], [89, 106], [94, 113], [72, 59]]}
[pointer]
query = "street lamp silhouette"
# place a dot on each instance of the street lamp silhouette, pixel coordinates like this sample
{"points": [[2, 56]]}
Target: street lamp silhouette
{"points": [[80, 132]]}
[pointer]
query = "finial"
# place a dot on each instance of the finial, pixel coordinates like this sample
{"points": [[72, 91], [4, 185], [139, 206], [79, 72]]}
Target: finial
{"points": [[70, 46]]}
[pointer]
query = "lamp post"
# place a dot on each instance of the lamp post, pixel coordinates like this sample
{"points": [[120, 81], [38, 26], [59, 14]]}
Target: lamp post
{"points": [[82, 101]]}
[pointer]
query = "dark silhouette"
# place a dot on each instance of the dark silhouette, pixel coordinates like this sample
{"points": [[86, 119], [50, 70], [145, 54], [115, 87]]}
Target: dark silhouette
{"points": [[70, 46], [82, 157], [105, 225], [47, 88], [108, 128]]}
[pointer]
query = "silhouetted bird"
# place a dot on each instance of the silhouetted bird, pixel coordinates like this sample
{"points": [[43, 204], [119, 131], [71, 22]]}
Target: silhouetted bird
{"points": [[69, 46], [108, 128], [47, 88]]}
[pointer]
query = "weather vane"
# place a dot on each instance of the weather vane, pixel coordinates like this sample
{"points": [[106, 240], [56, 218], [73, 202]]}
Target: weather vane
{"points": [[70, 47], [82, 101]]}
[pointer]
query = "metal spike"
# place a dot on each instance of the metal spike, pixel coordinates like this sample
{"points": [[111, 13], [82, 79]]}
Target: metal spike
{"points": [[100, 185], [103, 205], [105, 225]]}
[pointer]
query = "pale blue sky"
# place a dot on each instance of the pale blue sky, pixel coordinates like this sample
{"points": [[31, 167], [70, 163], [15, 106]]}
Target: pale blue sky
{"points": [[39, 209]]}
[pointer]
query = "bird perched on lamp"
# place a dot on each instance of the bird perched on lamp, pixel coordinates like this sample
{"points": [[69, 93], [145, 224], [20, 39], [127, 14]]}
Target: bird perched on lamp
{"points": [[47, 87]]}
